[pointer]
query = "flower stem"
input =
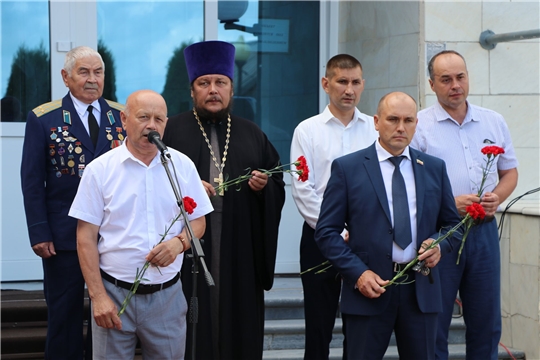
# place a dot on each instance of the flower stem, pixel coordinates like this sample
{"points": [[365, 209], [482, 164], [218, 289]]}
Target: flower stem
{"points": [[323, 264], [402, 272], [248, 175], [463, 242], [485, 173], [431, 246], [140, 274]]}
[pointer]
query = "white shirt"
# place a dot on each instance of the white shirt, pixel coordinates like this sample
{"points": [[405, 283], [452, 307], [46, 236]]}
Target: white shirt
{"points": [[321, 139], [460, 146], [400, 255], [133, 204], [82, 111]]}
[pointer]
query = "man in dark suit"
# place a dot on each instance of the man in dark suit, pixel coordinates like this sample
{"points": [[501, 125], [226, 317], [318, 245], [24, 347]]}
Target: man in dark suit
{"points": [[392, 212], [61, 138]]}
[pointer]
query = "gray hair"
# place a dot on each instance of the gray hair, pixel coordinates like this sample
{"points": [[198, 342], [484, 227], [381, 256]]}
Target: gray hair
{"points": [[80, 52]]}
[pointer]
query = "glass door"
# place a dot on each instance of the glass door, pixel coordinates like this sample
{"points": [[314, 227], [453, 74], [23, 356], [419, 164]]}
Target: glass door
{"points": [[277, 84], [277, 79]]}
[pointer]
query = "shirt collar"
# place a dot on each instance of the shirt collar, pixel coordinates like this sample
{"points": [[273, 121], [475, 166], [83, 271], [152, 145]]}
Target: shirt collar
{"points": [[443, 115], [328, 116], [81, 107], [125, 154], [383, 154]]}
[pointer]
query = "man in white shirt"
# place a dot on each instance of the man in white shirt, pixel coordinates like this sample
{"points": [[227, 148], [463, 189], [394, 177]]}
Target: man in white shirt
{"points": [[339, 130], [456, 131], [126, 198]]}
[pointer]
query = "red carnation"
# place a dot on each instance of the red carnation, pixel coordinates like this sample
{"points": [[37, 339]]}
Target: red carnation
{"points": [[301, 162], [189, 205], [476, 211], [302, 168], [492, 150], [303, 174]]}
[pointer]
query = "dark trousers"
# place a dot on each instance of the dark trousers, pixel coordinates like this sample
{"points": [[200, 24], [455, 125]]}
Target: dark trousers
{"points": [[478, 279], [63, 286], [369, 336], [321, 298]]}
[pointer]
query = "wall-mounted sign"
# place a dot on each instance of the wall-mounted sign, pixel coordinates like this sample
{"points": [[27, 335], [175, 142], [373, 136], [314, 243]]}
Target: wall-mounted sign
{"points": [[274, 35]]}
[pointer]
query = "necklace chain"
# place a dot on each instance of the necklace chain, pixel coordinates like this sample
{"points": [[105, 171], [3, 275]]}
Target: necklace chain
{"points": [[228, 137]]}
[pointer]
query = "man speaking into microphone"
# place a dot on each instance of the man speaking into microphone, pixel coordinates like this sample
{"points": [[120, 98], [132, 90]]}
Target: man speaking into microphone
{"points": [[125, 197], [155, 138]]}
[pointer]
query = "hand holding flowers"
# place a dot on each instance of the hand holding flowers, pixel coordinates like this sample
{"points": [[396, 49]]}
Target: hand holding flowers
{"points": [[476, 210], [189, 205], [402, 278], [474, 213]]}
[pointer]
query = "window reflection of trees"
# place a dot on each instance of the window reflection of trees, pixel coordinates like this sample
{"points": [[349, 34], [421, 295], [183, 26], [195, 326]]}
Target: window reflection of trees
{"points": [[177, 91], [29, 81], [28, 84], [109, 87]]}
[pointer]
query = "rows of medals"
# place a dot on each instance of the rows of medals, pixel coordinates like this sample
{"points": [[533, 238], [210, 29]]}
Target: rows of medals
{"points": [[69, 150]]}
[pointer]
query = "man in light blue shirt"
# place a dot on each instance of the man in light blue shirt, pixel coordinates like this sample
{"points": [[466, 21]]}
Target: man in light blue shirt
{"points": [[456, 131]]}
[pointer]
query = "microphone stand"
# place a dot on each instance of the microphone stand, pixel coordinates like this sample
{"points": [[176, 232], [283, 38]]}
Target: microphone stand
{"points": [[196, 257]]}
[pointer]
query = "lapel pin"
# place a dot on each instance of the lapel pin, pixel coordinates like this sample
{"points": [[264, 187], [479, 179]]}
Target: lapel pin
{"points": [[418, 161]]}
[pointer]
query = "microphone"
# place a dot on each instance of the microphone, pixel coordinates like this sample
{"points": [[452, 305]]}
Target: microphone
{"points": [[154, 138]]}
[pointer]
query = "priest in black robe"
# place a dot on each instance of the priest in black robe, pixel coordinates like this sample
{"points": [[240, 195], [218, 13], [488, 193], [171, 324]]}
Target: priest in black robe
{"points": [[241, 236]]}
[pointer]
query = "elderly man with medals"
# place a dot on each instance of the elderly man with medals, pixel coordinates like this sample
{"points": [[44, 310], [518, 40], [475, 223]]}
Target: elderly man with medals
{"points": [[241, 234], [62, 137]]}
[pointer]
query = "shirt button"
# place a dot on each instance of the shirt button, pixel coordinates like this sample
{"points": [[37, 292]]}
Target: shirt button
{"points": [[390, 231]]}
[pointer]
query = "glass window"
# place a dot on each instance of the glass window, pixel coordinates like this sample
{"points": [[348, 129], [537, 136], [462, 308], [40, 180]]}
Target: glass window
{"points": [[25, 80], [142, 46], [277, 63]]}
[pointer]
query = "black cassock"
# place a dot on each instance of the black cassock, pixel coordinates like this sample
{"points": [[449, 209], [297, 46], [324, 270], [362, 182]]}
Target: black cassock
{"points": [[249, 236]]}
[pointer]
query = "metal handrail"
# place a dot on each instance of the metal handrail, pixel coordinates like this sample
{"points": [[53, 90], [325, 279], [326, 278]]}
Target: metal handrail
{"points": [[488, 39]]}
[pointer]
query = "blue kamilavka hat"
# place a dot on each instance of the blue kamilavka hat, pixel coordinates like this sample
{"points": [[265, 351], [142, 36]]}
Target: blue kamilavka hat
{"points": [[209, 57]]}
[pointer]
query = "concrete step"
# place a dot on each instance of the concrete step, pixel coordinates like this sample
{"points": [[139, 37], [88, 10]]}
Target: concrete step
{"points": [[24, 324], [24, 356], [24, 337], [457, 352], [285, 300], [18, 306], [290, 334]]}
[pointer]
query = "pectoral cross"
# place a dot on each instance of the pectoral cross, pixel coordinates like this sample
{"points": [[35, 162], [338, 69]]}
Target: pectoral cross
{"points": [[219, 182]]}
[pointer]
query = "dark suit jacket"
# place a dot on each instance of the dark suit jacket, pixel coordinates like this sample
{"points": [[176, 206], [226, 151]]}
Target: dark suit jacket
{"points": [[355, 195], [50, 184]]}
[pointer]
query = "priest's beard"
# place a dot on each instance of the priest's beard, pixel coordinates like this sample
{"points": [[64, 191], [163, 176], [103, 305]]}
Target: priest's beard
{"points": [[215, 117]]}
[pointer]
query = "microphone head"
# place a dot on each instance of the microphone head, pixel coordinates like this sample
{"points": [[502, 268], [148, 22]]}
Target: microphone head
{"points": [[152, 136]]}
